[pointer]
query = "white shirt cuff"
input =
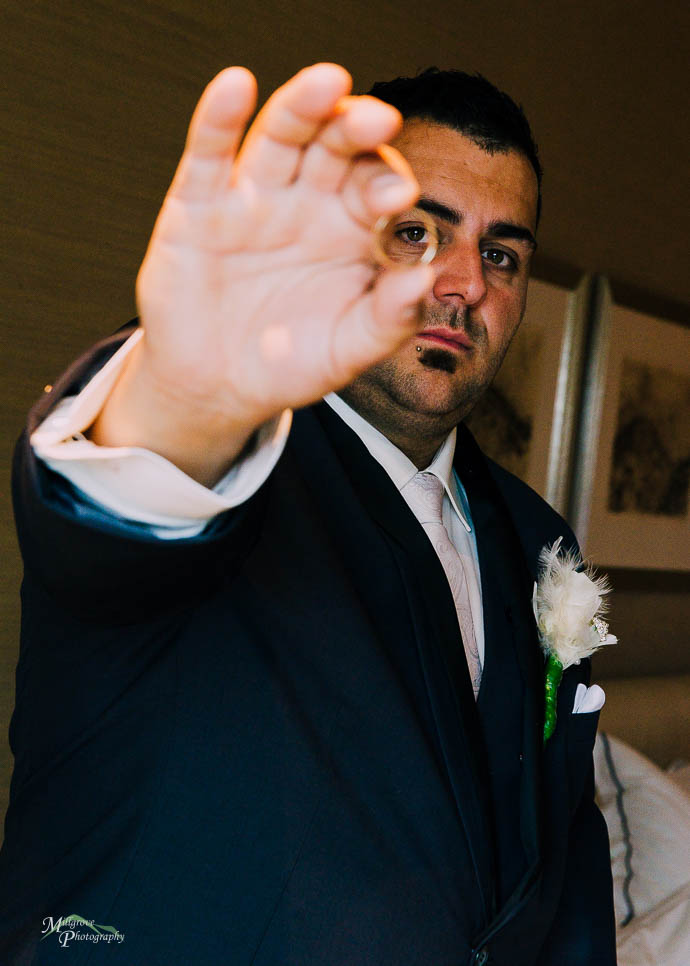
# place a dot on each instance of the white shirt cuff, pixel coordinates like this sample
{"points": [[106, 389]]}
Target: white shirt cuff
{"points": [[137, 484]]}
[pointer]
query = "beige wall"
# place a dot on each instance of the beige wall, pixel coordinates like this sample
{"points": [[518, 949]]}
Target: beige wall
{"points": [[94, 115]]}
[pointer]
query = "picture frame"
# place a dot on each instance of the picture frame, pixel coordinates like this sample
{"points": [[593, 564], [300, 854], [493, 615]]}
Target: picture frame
{"points": [[526, 421], [631, 506]]}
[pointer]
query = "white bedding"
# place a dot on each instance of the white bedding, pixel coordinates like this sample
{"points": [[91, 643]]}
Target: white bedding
{"points": [[659, 938], [647, 812]]}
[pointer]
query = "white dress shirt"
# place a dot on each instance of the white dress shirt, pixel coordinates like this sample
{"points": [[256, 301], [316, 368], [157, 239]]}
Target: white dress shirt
{"points": [[135, 484]]}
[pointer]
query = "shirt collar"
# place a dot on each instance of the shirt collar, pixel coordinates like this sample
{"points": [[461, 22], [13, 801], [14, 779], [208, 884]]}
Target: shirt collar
{"points": [[399, 467]]}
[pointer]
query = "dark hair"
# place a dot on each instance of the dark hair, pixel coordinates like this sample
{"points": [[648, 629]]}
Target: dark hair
{"points": [[469, 103]]}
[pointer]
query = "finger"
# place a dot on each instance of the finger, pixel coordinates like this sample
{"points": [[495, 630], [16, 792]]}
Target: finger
{"points": [[214, 135], [361, 124], [289, 120], [380, 184], [382, 320]]}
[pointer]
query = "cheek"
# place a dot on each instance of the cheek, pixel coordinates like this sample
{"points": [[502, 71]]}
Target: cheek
{"points": [[503, 315]]}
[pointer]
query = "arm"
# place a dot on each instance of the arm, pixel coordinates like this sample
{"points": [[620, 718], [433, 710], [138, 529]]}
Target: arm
{"points": [[258, 293], [135, 485], [97, 567]]}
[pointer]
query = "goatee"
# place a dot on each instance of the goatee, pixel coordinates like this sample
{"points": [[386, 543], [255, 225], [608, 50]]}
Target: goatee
{"points": [[452, 317], [441, 359]]}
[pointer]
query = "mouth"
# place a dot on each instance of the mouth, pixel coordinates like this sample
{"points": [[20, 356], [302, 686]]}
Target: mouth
{"points": [[446, 338]]}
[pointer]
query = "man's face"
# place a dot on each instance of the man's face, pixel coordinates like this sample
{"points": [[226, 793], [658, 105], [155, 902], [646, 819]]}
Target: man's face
{"points": [[486, 207]]}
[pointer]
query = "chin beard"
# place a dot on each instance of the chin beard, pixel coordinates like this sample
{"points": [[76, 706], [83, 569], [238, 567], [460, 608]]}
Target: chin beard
{"points": [[439, 359], [467, 395]]}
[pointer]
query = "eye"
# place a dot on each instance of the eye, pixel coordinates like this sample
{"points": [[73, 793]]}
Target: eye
{"points": [[413, 234], [410, 238], [499, 259]]}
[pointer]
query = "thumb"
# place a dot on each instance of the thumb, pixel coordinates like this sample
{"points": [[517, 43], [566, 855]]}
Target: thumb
{"points": [[382, 320], [396, 298]]}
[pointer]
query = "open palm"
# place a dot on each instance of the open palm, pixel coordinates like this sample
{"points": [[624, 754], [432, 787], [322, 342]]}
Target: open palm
{"points": [[258, 290]]}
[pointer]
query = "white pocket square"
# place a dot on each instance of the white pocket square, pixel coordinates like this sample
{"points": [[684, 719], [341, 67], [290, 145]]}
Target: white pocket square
{"points": [[588, 699]]}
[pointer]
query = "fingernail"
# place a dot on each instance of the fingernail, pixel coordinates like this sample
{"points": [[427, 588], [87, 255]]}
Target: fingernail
{"points": [[383, 181]]}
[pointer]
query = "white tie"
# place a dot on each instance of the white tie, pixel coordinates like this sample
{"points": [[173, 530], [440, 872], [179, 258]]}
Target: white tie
{"points": [[425, 497]]}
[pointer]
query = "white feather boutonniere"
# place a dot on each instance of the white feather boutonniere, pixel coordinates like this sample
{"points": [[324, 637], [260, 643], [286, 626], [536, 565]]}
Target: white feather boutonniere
{"points": [[568, 604]]}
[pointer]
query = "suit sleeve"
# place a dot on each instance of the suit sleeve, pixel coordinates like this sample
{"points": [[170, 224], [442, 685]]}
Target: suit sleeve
{"points": [[106, 570], [139, 486]]}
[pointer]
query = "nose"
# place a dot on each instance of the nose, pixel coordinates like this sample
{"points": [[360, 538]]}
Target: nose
{"points": [[459, 275]]}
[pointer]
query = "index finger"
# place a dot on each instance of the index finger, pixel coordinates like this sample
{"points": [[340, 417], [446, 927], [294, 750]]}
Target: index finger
{"points": [[214, 135]]}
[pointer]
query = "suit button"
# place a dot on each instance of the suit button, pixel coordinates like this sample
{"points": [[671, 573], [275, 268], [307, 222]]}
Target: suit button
{"points": [[481, 957]]}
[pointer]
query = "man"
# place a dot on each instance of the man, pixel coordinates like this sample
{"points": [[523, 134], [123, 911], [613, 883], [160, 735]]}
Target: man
{"points": [[263, 716]]}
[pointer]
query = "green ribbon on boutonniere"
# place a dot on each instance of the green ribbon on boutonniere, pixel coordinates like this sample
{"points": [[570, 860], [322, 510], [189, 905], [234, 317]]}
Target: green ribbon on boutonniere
{"points": [[568, 603]]}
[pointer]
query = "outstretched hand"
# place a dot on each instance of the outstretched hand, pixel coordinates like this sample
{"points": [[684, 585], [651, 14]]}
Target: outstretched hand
{"points": [[258, 290]]}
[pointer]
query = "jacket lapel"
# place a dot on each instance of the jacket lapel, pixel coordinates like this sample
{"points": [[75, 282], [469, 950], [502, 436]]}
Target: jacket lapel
{"points": [[506, 599], [437, 636]]}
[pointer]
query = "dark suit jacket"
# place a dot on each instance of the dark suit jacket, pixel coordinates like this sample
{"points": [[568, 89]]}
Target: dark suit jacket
{"points": [[260, 746]]}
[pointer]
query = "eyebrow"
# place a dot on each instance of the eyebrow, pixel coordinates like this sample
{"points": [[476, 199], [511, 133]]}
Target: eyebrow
{"points": [[498, 229], [444, 212], [506, 229]]}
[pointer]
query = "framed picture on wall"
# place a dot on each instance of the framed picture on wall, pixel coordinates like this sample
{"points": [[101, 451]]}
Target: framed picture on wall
{"points": [[631, 503], [526, 420]]}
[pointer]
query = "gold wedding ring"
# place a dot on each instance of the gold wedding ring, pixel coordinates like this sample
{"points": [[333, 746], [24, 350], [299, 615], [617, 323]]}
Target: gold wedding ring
{"points": [[389, 245]]}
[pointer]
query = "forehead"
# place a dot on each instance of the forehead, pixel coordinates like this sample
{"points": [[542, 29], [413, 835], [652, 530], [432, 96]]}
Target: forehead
{"points": [[453, 169]]}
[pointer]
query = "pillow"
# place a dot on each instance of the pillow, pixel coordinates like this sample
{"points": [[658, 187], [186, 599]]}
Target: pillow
{"points": [[648, 818], [661, 938]]}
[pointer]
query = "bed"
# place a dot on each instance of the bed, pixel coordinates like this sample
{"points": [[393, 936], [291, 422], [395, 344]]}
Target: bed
{"points": [[642, 774]]}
